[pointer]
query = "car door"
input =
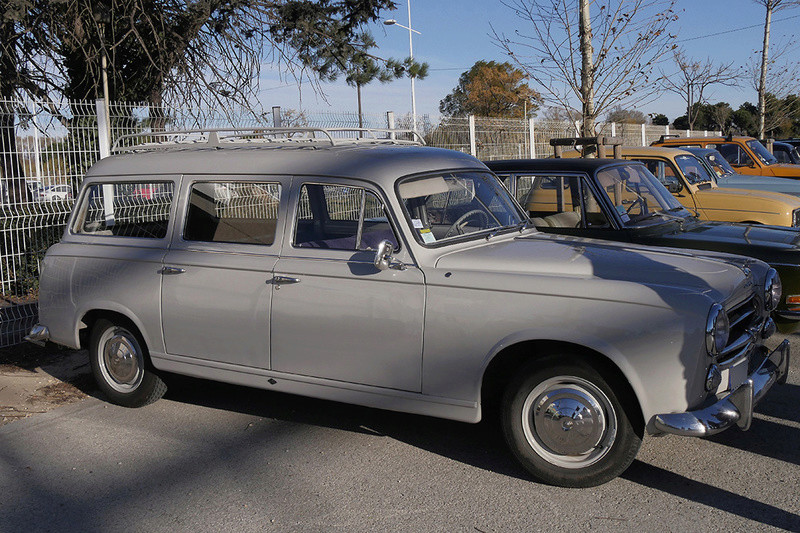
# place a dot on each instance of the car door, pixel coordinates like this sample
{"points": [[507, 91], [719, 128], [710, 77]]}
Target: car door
{"points": [[216, 293], [563, 204], [334, 314]]}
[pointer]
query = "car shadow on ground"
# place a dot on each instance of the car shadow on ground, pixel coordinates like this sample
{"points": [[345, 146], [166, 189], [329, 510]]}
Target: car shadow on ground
{"points": [[696, 491], [481, 445]]}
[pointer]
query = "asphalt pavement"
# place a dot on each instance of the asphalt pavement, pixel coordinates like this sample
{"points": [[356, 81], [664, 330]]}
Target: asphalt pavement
{"points": [[214, 457]]}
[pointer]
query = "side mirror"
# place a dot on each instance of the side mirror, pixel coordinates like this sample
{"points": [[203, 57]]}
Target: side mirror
{"points": [[674, 187], [383, 255]]}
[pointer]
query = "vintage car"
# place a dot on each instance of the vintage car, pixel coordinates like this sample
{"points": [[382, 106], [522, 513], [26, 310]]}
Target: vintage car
{"points": [[688, 180], [745, 154], [622, 201], [785, 153], [404, 278], [726, 177]]}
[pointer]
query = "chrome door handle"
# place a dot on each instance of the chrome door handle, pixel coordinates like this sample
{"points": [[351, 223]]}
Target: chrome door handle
{"points": [[283, 280], [172, 270]]}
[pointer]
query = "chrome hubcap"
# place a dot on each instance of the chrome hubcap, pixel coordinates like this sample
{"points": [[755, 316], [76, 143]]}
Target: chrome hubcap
{"points": [[569, 422], [122, 362]]}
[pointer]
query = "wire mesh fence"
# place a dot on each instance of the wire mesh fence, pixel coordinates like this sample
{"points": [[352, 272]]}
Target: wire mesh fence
{"points": [[46, 148]]}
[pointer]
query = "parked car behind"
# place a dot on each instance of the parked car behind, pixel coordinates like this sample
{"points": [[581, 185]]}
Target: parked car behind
{"points": [[694, 187], [622, 201], [785, 153], [726, 177], [404, 278], [55, 193], [745, 154]]}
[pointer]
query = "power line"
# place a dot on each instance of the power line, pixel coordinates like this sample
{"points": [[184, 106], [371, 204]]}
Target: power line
{"points": [[737, 29]]}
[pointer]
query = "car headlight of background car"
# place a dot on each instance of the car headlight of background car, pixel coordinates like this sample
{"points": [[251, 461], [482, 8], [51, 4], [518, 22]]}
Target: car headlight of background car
{"points": [[717, 330], [772, 289]]}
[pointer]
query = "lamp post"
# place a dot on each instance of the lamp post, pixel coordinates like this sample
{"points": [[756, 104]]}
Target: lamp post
{"points": [[393, 22]]}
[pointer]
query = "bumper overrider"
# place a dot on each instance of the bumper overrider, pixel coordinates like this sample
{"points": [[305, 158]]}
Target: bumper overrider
{"points": [[735, 408]]}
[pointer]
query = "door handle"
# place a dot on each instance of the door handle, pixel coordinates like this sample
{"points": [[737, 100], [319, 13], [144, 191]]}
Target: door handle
{"points": [[171, 270], [282, 280]]}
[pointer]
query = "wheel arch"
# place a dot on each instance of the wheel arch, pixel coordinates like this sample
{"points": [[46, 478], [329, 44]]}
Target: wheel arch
{"points": [[505, 363], [89, 319]]}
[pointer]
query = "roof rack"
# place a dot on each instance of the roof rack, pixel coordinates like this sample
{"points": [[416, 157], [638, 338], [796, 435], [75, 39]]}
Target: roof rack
{"points": [[668, 136], [219, 137], [590, 145]]}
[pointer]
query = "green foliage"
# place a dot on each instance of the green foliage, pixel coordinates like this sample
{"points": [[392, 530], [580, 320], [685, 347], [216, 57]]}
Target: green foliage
{"points": [[660, 119]]}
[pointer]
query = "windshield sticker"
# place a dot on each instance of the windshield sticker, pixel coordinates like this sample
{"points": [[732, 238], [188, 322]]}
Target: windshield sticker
{"points": [[427, 236], [623, 214], [417, 223]]}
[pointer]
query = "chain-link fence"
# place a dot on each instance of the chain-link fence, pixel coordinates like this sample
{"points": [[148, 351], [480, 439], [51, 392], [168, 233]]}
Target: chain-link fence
{"points": [[46, 148]]}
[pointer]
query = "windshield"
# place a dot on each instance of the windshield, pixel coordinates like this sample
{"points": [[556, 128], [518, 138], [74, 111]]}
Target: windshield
{"points": [[719, 164], [637, 195], [447, 206], [761, 152], [693, 169]]}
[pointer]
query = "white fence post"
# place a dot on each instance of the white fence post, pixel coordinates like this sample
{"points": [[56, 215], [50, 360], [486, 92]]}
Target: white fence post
{"points": [[473, 149], [666, 129], [276, 117], [533, 138], [644, 136], [36, 150], [613, 129], [103, 129], [390, 123], [705, 133]]}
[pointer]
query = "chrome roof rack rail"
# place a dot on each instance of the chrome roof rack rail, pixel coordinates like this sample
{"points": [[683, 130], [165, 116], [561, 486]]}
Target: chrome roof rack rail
{"points": [[219, 137]]}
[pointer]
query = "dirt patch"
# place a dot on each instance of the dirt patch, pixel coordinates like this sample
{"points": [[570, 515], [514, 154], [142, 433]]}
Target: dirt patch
{"points": [[36, 380]]}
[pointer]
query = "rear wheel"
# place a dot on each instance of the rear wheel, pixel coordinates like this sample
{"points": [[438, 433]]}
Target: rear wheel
{"points": [[567, 427], [119, 363]]}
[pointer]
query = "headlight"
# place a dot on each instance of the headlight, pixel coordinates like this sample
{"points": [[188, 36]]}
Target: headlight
{"points": [[772, 290], [717, 330]]}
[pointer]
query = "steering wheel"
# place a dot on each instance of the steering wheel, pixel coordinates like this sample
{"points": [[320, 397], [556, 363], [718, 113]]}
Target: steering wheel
{"points": [[639, 201], [457, 227]]}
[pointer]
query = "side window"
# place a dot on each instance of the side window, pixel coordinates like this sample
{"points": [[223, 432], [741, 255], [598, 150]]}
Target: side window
{"points": [[782, 156], [130, 209], [341, 218], [233, 212], [559, 202], [664, 172], [734, 154]]}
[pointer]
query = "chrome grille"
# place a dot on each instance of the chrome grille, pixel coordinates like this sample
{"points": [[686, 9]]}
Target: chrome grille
{"points": [[745, 324]]}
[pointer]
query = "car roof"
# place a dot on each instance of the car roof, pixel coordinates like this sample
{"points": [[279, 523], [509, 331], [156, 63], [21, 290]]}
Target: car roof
{"points": [[381, 163], [679, 140], [564, 164], [662, 151]]}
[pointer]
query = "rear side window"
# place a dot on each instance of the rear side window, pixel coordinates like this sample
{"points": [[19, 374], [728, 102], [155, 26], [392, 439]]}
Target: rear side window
{"points": [[130, 209], [233, 212]]}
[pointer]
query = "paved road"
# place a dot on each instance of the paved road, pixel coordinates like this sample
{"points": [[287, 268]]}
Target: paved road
{"points": [[212, 457]]}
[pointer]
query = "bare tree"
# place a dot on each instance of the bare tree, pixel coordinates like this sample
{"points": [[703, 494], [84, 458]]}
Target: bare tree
{"points": [[782, 81], [770, 6], [595, 61], [694, 78]]}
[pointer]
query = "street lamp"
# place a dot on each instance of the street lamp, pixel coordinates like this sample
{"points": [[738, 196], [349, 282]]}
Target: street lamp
{"points": [[393, 22]]}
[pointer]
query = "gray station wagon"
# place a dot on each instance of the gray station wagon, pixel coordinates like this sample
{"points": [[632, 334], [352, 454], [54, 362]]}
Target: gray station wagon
{"points": [[381, 273]]}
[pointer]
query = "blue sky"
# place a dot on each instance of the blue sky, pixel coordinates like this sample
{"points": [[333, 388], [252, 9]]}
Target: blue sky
{"points": [[455, 34]]}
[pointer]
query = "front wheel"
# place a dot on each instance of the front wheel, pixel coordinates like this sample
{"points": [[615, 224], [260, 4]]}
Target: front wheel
{"points": [[567, 427], [119, 363]]}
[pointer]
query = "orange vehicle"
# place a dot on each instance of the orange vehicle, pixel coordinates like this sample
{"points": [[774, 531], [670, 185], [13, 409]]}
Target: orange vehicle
{"points": [[745, 154]]}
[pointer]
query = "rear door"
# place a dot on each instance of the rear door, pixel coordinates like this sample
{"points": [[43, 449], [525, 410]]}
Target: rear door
{"points": [[216, 293]]}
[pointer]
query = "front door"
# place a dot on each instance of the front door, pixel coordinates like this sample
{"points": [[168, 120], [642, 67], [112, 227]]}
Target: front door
{"points": [[334, 314], [216, 291]]}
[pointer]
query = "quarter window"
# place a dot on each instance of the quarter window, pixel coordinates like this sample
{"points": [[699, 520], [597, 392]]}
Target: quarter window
{"points": [[233, 212], [131, 209], [560, 202], [341, 218]]}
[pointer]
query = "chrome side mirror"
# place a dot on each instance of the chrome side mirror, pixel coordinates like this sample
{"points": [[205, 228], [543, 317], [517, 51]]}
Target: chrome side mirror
{"points": [[383, 255]]}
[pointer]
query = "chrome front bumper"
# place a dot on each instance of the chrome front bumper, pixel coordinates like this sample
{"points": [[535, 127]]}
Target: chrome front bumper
{"points": [[39, 335], [736, 407]]}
